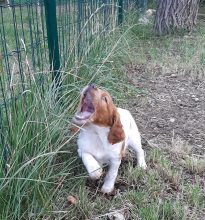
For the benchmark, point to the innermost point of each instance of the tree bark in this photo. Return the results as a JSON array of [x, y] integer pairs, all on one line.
[[175, 14]]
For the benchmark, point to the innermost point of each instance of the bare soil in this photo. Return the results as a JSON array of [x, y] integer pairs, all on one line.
[[172, 106]]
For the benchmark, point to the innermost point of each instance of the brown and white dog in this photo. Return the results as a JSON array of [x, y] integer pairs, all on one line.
[[107, 132]]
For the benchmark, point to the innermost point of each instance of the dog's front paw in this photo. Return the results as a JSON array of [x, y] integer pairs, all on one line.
[[95, 175], [142, 164], [107, 189]]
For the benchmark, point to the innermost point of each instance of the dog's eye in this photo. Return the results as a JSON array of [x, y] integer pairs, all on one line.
[[83, 95], [104, 98]]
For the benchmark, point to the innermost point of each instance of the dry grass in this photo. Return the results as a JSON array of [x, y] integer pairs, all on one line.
[[168, 105], [169, 113]]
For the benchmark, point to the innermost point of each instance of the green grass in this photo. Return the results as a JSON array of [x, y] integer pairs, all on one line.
[[24, 52], [43, 168], [41, 164], [177, 52]]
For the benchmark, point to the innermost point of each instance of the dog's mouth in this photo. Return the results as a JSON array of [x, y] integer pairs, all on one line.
[[86, 111]]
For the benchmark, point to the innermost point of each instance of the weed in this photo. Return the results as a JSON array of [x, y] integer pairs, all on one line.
[[42, 164]]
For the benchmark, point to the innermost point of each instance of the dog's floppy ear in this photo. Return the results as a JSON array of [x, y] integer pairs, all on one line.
[[116, 133]]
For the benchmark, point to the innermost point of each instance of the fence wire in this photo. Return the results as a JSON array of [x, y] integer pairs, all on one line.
[[24, 50]]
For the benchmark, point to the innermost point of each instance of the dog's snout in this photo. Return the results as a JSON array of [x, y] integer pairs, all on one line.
[[92, 86], [88, 89]]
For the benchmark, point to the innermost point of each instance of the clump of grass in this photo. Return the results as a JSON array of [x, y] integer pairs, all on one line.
[[180, 147], [165, 168], [43, 169], [42, 164], [194, 195], [193, 164]]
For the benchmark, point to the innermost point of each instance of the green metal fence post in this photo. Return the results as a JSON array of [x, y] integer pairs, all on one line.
[[120, 12], [52, 34]]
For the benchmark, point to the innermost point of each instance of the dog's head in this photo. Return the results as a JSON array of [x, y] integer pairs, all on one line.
[[96, 106]]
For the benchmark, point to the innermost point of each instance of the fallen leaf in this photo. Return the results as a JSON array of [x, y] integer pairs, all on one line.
[[72, 200]]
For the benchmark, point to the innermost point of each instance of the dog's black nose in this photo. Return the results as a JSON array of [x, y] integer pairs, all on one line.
[[93, 86]]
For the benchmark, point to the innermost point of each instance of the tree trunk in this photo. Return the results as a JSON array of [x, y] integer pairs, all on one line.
[[175, 14]]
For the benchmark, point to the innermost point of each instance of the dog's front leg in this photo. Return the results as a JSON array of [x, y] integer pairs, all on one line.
[[110, 178], [93, 167]]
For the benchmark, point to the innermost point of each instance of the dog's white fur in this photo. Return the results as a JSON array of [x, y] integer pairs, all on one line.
[[95, 149]]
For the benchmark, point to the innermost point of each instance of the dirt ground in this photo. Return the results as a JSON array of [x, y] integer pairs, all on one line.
[[172, 108], [170, 114]]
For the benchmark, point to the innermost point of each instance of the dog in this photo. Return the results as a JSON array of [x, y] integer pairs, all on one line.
[[106, 132]]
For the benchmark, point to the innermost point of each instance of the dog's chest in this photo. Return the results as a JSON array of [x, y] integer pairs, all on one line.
[[94, 141]]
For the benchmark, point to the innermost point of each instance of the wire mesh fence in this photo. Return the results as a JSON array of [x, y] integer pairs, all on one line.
[[29, 51]]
